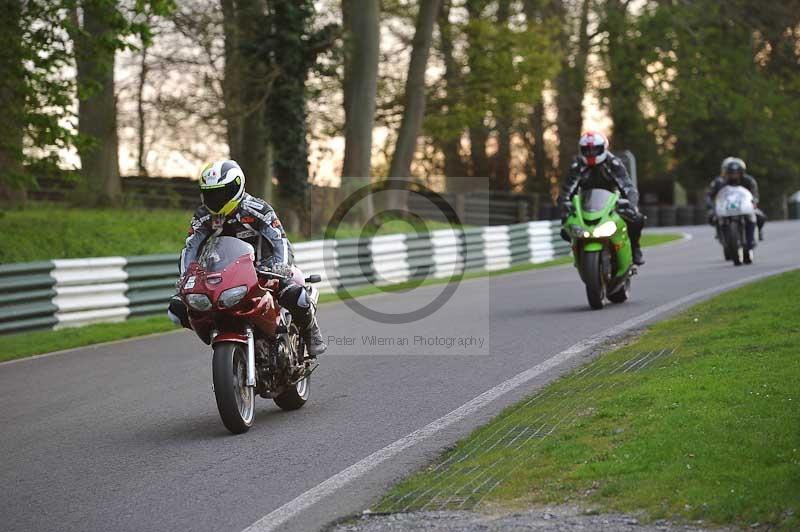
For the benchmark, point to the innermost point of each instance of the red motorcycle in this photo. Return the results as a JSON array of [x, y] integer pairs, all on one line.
[[257, 349]]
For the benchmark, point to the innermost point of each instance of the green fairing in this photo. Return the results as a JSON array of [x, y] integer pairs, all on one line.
[[621, 240], [580, 221]]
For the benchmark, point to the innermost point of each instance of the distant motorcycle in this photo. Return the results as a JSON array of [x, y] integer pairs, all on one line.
[[601, 246], [257, 349], [733, 208]]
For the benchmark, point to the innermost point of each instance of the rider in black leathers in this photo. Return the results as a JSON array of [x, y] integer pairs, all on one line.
[[253, 220], [734, 172], [596, 167]]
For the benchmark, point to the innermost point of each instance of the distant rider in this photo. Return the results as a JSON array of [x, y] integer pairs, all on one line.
[[733, 171], [228, 210], [597, 167]]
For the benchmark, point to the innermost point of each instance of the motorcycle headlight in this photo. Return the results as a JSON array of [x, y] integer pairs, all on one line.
[[579, 232], [232, 296], [199, 302], [605, 229]]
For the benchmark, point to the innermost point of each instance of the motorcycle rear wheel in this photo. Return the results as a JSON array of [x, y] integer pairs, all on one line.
[[295, 396], [235, 400], [593, 277]]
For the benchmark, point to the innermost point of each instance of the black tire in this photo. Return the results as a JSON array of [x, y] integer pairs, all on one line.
[[235, 400], [621, 295], [296, 396], [731, 236], [593, 278]]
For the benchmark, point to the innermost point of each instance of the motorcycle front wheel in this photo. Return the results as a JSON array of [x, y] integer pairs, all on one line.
[[730, 234], [593, 277], [235, 400]]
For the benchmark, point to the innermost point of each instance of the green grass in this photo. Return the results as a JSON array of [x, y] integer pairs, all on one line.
[[44, 232], [392, 226], [710, 432], [38, 342], [56, 232], [651, 239]]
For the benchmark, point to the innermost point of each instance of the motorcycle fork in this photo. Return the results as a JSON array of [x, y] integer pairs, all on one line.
[[251, 357]]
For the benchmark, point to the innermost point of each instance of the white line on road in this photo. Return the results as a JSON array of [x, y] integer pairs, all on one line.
[[276, 518]]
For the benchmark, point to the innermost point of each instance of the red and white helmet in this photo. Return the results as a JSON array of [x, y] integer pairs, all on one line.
[[593, 147]]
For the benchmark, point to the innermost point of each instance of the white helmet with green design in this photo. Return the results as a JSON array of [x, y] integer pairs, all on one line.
[[222, 186]]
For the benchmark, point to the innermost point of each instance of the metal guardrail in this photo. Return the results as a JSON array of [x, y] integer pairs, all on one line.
[[75, 292]]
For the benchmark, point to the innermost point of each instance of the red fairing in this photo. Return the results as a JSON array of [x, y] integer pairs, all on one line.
[[258, 308], [230, 337]]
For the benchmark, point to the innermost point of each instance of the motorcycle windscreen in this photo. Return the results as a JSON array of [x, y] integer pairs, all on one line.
[[734, 201], [595, 199], [220, 251]]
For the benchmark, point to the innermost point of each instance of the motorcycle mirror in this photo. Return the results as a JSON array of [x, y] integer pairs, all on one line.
[[313, 279]]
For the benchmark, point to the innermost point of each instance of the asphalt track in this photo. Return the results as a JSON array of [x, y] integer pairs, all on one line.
[[126, 436]]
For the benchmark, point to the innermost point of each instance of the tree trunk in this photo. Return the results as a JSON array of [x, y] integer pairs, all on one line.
[[97, 105], [571, 85], [414, 98], [478, 132], [231, 84], [255, 85], [454, 169], [539, 181], [287, 105], [361, 24], [478, 136], [502, 166], [245, 88], [12, 100], [536, 180], [141, 156]]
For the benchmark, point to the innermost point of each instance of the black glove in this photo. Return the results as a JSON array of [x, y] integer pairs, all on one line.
[[566, 209], [179, 310]]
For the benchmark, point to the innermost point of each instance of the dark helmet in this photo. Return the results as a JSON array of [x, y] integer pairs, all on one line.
[[733, 170]]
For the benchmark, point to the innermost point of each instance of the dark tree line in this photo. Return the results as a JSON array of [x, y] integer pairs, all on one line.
[[458, 88]]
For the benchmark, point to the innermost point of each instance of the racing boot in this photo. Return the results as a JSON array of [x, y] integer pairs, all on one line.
[[309, 330], [638, 258]]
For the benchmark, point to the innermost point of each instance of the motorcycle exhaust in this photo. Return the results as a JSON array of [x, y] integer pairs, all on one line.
[[251, 358]]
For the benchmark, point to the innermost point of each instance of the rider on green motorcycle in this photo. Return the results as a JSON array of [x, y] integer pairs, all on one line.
[[596, 167]]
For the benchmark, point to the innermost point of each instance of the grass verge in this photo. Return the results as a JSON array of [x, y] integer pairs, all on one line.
[[122, 232], [38, 342], [708, 432]]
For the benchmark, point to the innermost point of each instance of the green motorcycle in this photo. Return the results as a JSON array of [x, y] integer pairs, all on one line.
[[600, 245]]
